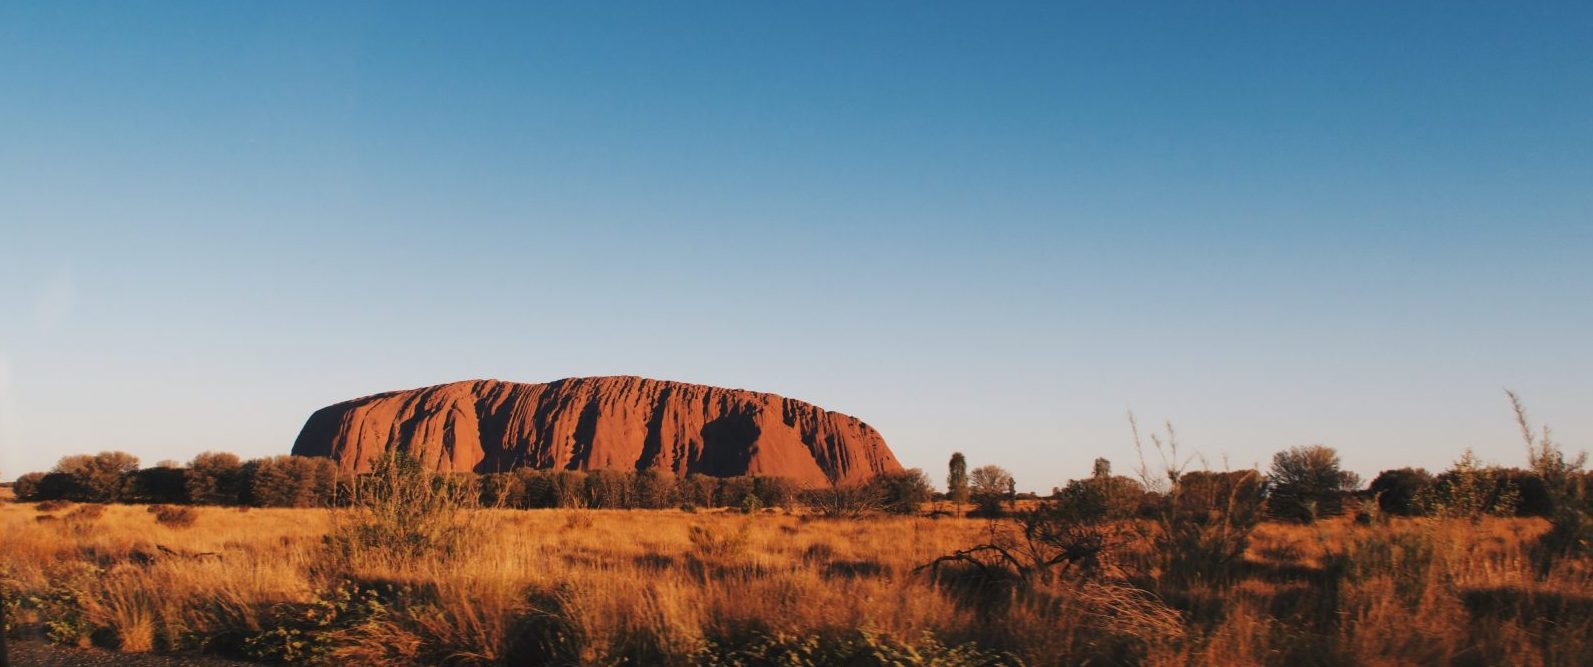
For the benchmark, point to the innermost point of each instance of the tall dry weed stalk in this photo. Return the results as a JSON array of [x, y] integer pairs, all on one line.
[[1200, 522], [1568, 486]]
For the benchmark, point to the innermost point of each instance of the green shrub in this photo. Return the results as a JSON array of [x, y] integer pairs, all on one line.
[[26, 487], [861, 648], [401, 514], [751, 504], [304, 633], [903, 492], [1470, 490], [61, 607]]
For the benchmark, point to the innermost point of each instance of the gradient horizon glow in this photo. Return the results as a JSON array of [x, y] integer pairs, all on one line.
[[989, 227]]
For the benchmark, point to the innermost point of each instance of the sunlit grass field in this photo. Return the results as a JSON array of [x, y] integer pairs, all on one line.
[[675, 587]]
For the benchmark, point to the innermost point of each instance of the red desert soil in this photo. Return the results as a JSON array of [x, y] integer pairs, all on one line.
[[40, 654], [620, 423]]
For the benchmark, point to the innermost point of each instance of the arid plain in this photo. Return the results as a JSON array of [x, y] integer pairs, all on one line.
[[771, 587]]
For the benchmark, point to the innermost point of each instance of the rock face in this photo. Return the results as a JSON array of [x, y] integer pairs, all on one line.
[[619, 423]]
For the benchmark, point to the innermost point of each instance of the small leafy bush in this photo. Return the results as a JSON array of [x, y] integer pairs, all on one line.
[[176, 517], [86, 513], [305, 633], [1471, 490], [402, 514], [53, 505], [82, 518], [711, 543], [864, 648], [61, 607]]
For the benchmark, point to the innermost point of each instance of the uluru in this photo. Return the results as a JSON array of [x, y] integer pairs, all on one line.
[[591, 423]]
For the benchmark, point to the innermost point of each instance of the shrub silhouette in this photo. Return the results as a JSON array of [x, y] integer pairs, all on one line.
[[1200, 525], [1568, 491], [1306, 482], [1471, 490], [842, 500], [1401, 491], [1039, 545], [990, 485], [161, 484]]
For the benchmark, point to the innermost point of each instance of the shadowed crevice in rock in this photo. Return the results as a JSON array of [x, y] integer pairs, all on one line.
[[736, 435], [653, 443], [585, 433]]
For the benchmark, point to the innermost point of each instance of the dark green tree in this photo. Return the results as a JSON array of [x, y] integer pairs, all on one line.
[[656, 489], [28, 487], [215, 478], [957, 481], [291, 481], [1402, 491], [164, 484], [99, 478], [774, 491], [1306, 482], [990, 485], [903, 492], [609, 489], [700, 490]]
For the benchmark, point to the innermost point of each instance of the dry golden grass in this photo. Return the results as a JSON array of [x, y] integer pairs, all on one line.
[[603, 587]]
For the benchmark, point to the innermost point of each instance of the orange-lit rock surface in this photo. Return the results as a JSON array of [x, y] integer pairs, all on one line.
[[618, 423]]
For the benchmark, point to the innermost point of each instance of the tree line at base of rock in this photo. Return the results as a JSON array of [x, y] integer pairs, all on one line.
[[216, 478], [1303, 484]]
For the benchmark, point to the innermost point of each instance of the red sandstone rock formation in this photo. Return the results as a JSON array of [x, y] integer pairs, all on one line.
[[620, 423]]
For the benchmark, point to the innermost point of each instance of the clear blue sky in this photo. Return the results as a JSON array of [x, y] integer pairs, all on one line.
[[978, 226]]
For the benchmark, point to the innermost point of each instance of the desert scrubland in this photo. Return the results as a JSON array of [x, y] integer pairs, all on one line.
[[777, 587]]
